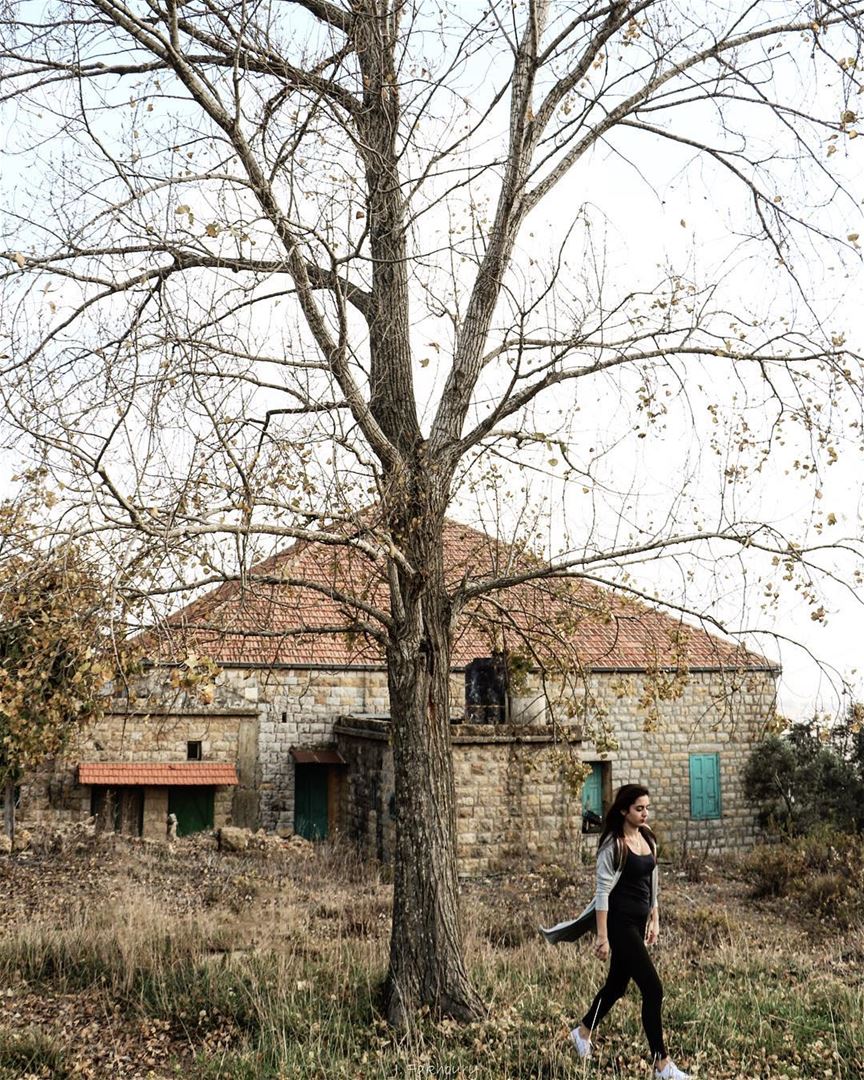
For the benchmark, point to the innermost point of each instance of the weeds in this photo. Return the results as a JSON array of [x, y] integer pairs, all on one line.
[[289, 987], [31, 1053], [823, 872]]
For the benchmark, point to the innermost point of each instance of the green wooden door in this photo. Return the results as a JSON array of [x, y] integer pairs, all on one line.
[[310, 801], [592, 791], [193, 807]]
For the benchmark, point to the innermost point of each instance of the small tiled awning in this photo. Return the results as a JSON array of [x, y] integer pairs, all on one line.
[[317, 757], [158, 774]]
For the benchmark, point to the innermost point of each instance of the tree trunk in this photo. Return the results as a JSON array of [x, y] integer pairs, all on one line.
[[9, 808], [427, 964]]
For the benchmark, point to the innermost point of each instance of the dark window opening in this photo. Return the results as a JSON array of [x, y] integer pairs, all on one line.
[[486, 696], [194, 751]]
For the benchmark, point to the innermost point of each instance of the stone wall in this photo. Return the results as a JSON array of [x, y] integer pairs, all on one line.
[[716, 712], [156, 812], [135, 734], [368, 811], [512, 801], [50, 794], [298, 708], [255, 718]]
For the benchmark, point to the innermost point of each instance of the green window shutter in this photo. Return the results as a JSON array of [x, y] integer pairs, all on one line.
[[704, 786], [592, 790]]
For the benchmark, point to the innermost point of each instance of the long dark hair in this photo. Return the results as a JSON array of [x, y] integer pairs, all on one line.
[[613, 822]]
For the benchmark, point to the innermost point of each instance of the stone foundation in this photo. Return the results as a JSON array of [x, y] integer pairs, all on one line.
[[512, 800]]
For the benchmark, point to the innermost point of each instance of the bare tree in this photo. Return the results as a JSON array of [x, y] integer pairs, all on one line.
[[271, 262]]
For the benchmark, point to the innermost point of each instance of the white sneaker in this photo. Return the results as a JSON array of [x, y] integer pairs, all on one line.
[[671, 1072], [583, 1046]]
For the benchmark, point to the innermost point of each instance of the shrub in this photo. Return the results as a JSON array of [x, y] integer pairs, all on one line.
[[698, 929], [822, 872], [801, 783], [772, 869]]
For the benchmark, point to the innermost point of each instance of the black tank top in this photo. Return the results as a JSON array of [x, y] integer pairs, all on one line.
[[632, 894]]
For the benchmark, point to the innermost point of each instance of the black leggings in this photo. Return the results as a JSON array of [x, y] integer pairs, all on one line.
[[630, 960]]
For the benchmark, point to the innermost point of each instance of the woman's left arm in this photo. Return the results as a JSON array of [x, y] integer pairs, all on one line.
[[652, 931]]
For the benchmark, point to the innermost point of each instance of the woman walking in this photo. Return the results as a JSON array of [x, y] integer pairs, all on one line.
[[627, 920]]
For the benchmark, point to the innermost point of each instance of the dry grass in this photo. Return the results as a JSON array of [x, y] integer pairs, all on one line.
[[204, 965]]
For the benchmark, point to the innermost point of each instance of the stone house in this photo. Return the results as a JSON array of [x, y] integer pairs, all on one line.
[[260, 710]]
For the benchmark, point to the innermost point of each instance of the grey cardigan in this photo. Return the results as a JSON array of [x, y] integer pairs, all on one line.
[[608, 876]]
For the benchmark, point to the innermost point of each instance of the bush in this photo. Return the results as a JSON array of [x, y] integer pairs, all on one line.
[[802, 783], [698, 929], [30, 1052], [771, 870], [822, 873]]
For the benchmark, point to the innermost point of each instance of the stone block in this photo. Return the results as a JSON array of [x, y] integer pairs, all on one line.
[[233, 839], [22, 840]]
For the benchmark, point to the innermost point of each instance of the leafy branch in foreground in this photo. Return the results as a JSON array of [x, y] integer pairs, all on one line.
[[58, 653]]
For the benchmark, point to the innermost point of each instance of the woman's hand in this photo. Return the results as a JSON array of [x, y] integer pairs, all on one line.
[[652, 933], [601, 949]]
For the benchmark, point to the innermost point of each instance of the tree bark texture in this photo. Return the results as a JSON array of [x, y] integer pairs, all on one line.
[[427, 965], [391, 383]]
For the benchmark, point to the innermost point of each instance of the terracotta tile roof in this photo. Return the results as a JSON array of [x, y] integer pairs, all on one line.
[[158, 774], [277, 620]]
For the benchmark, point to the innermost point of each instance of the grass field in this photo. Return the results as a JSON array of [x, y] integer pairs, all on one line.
[[125, 960]]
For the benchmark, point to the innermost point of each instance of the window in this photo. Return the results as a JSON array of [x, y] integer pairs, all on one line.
[[592, 797], [704, 786], [193, 751], [486, 699]]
